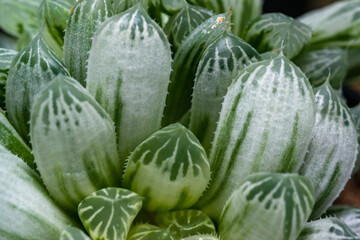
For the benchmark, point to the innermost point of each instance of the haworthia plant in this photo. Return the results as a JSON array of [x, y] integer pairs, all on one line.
[[335, 25], [82, 24], [185, 64], [27, 211], [327, 228], [31, 69], [171, 159], [54, 14], [353, 71], [184, 22], [320, 64], [11, 141], [269, 206], [83, 156], [355, 112], [219, 65], [73, 233], [350, 215], [150, 232], [128, 74], [265, 125], [184, 223], [332, 151], [108, 213], [6, 57], [243, 11], [278, 31]]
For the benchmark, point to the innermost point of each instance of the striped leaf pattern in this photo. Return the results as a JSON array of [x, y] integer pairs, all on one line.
[[335, 25], [186, 61], [184, 223], [327, 228], [320, 64], [332, 151], [201, 237], [73, 233], [276, 30], [265, 125], [350, 215], [171, 159], [219, 65], [184, 22], [83, 156], [11, 141], [243, 11], [6, 56], [55, 13], [150, 232], [31, 69], [27, 211], [81, 26], [269, 206], [128, 74], [108, 213]]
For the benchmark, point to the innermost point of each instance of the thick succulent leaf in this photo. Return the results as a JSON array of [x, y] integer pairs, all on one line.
[[18, 15], [83, 156], [320, 64], [332, 151], [6, 57], [54, 14], [11, 141], [184, 22], [83, 22], [243, 11], [184, 223], [186, 60], [335, 25], [108, 213], [350, 215], [353, 71], [277, 31], [265, 124], [219, 65], [31, 69], [355, 112], [150, 232], [201, 237], [73, 233], [128, 74], [327, 228], [164, 168], [269, 206], [27, 211]]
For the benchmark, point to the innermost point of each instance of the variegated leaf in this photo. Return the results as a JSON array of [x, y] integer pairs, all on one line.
[[83, 156], [31, 69], [11, 141], [318, 65], [150, 232], [350, 215], [332, 151], [6, 57], [27, 211], [219, 65], [184, 22], [128, 74], [265, 124], [335, 25], [353, 71], [243, 11], [327, 228], [83, 22], [186, 60], [201, 237], [108, 213], [278, 31], [184, 223], [355, 112], [269, 206], [164, 168], [73, 233]]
